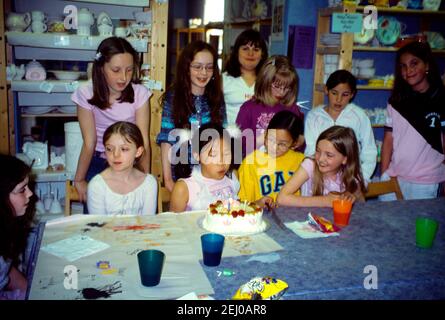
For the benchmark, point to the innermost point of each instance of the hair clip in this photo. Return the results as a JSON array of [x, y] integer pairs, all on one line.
[[98, 56]]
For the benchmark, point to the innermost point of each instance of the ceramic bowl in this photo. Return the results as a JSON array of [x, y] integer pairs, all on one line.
[[67, 109], [67, 75], [366, 63], [366, 73]]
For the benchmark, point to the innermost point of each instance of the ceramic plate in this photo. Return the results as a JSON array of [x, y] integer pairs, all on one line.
[[389, 30]]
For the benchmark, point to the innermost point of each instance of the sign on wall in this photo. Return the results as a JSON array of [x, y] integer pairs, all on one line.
[[301, 46], [277, 33]]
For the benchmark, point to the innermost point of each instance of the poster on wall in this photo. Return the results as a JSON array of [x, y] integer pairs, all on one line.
[[301, 46], [278, 20]]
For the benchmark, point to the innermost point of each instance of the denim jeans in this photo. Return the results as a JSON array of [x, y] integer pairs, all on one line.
[[411, 190]]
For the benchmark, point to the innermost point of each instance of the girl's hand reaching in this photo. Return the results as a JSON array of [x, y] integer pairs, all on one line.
[[266, 199], [348, 196], [339, 196]]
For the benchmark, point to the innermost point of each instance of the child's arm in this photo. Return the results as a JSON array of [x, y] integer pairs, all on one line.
[[143, 122], [166, 166], [17, 280], [266, 199], [287, 196], [387, 149], [368, 152], [151, 199], [179, 197], [96, 197], [88, 129]]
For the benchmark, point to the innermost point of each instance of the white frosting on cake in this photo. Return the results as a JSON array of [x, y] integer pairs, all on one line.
[[225, 223]]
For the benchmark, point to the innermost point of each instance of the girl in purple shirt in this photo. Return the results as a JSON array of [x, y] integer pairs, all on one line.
[[276, 89]]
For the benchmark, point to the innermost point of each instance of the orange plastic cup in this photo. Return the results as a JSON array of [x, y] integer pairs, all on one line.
[[342, 212]]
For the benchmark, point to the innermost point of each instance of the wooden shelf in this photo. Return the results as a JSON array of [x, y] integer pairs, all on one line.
[[320, 87], [397, 10], [49, 115], [360, 87], [265, 21], [328, 50], [389, 49], [129, 3], [66, 41], [57, 85]]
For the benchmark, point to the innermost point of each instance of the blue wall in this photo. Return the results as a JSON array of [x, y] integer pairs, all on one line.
[[302, 13]]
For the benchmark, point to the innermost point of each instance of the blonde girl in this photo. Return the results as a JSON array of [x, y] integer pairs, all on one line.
[[333, 173], [276, 89]]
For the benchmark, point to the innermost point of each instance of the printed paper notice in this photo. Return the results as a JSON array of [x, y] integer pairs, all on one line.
[[76, 247]]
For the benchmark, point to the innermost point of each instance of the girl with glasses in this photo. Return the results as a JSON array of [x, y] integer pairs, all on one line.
[[195, 98], [276, 89], [263, 173]]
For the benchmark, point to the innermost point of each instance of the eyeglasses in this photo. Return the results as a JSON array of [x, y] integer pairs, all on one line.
[[200, 67], [280, 145], [278, 87]]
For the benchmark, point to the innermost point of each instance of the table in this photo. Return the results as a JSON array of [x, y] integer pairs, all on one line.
[[380, 234]]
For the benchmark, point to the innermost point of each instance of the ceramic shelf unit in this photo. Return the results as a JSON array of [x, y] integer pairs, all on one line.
[[129, 3], [72, 47], [66, 41], [346, 48], [58, 86]]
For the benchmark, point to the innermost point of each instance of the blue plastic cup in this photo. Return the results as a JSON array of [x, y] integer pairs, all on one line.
[[212, 246], [150, 266]]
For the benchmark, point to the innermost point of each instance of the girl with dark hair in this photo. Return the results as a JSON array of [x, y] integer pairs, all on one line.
[[123, 188], [334, 173], [113, 95], [276, 89], [209, 181], [413, 144], [244, 63], [340, 90], [195, 98], [16, 214], [263, 172]]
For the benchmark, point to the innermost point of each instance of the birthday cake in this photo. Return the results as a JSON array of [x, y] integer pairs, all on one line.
[[234, 217]]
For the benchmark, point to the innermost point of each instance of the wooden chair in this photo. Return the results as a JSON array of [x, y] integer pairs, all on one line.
[[163, 196], [70, 195], [383, 187]]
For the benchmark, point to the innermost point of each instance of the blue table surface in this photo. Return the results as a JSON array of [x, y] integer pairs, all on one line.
[[381, 234]]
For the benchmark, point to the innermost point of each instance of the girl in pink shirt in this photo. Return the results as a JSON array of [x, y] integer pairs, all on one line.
[[334, 173], [413, 144], [113, 96], [209, 181]]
